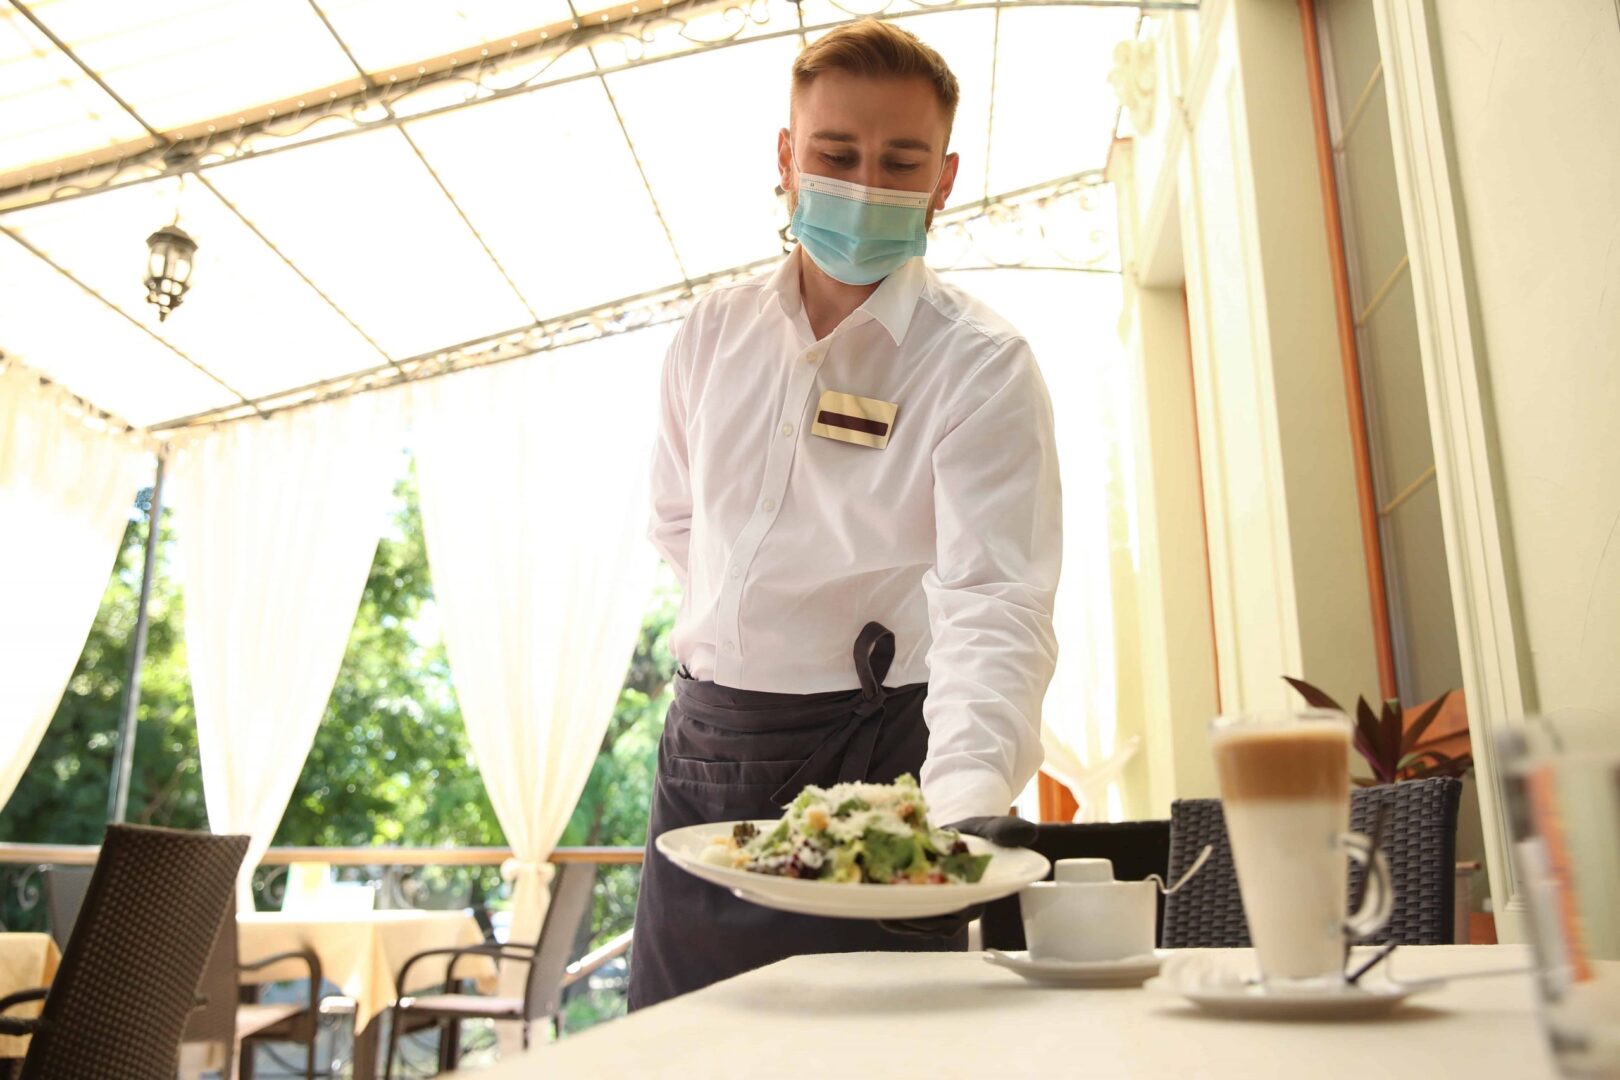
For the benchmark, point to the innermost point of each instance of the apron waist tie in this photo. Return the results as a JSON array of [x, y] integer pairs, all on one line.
[[851, 745]]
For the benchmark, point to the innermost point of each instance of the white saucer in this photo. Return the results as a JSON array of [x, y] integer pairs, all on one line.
[[1098, 974], [1240, 999]]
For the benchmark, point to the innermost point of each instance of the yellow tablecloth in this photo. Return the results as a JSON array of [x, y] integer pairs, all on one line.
[[26, 961], [362, 952]]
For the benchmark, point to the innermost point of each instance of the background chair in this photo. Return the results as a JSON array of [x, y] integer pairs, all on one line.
[[548, 973], [1207, 912], [1420, 842], [239, 1026], [130, 971], [1136, 848], [64, 896]]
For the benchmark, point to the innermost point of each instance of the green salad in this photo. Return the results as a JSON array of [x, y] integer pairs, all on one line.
[[853, 833]]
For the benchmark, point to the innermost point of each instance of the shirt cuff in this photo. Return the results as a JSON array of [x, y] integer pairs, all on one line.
[[957, 796]]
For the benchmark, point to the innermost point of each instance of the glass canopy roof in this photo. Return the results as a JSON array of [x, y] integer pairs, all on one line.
[[388, 189]]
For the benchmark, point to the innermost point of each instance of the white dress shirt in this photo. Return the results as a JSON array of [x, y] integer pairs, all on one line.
[[787, 543]]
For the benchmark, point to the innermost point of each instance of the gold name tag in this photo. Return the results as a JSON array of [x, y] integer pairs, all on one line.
[[861, 420]]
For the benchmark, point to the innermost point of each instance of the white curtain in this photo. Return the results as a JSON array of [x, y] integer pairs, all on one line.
[[67, 484], [277, 521], [1091, 718], [534, 504]]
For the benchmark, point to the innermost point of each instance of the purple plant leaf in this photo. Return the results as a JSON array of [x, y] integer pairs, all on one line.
[[1367, 723], [1389, 734], [1415, 731], [1315, 698]]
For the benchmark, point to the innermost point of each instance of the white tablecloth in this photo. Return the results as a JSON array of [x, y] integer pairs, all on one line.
[[362, 952], [954, 1016]]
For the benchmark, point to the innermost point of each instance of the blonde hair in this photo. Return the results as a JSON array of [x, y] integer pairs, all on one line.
[[876, 49]]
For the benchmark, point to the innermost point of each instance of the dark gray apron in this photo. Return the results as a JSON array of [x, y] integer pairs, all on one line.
[[730, 754]]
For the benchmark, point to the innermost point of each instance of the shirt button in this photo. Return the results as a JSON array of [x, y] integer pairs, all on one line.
[[735, 571], [729, 646], [787, 429], [812, 358], [770, 504]]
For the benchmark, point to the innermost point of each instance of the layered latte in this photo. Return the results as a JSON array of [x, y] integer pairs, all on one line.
[[1285, 789]]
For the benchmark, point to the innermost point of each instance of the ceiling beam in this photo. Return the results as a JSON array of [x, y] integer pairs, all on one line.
[[640, 311], [219, 143], [362, 90], [433, 174]]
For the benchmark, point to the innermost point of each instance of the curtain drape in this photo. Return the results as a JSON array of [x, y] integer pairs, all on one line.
[[277, 523], [1091, 717], [533, 477], [67, 483]]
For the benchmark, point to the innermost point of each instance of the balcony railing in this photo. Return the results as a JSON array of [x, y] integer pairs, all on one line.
[[85, 855], [405, 877]]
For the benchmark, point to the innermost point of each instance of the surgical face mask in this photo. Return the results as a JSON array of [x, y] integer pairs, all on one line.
[[859, 234]]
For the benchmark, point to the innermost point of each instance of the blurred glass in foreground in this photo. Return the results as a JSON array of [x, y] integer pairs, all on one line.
[[1563, 783]]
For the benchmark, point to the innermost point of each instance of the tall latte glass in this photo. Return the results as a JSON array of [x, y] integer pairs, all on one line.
[[1285, 791]]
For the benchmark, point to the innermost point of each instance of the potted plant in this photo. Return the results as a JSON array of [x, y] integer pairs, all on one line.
[[1393, 746], [1393, 743]]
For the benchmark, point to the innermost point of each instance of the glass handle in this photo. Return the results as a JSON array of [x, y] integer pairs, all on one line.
[[1378, 896]]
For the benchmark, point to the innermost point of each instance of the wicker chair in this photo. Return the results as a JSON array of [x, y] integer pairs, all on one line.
[[64, 896], [1420, 842], [1136, 848], [1207, 911], [547, 960], [238, 1026], [129, 976]]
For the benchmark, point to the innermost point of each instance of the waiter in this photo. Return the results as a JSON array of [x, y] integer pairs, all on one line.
[[856, 484]]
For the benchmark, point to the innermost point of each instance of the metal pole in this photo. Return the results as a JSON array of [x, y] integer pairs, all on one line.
[[118, 804]]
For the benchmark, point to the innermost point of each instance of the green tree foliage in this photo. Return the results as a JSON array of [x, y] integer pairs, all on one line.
[[391, 763], [62, 798]]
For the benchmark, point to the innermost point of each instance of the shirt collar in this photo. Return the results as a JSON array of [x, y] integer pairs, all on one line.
[[893, 304]]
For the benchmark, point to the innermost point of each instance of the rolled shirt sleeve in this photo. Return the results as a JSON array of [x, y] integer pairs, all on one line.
[[670, 524], [998, 520]]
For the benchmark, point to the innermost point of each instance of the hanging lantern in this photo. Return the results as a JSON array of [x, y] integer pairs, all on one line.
[[169, 260]]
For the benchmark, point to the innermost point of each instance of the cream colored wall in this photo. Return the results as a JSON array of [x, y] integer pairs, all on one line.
[[1233, 208], [1534, 97], [1333, 606], [1287, 563], [1176, 654]]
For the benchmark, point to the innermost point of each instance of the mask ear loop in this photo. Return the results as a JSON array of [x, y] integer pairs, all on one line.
[[789, 240]]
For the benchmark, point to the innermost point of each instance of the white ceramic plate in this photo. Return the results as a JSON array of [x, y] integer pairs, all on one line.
[[1240, 1000], [1098, 975], [1009, 870]]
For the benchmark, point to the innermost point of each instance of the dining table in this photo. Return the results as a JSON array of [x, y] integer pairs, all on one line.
[[952, 1015], [362, 952], [26, 961]]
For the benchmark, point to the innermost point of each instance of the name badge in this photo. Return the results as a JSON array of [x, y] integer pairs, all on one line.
[[860, 420]]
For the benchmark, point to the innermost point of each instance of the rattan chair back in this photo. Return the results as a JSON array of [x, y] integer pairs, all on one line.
[[1420, 842], [129, 975]]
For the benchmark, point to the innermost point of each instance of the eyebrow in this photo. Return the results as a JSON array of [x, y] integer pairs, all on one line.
[[894, 144]]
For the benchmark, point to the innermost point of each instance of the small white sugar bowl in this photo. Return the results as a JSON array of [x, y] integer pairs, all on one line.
[[1085, 916]]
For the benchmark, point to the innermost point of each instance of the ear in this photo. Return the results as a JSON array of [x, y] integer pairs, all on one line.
[[784, 159], [947, 181]]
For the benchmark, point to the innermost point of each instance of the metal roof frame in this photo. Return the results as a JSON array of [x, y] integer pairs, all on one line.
[[387, 102]]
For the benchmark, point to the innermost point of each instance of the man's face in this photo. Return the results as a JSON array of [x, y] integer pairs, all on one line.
[[884, 133]]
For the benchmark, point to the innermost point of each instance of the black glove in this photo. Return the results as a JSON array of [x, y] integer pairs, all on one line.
[[1004, 831]]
